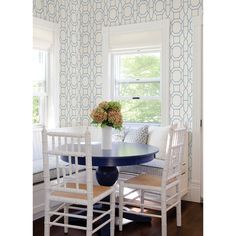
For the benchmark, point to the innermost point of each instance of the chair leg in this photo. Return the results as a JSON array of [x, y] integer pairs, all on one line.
[[112, 215], [46, 229], [142, 199], [89, 220], [163, 216], [46, 218], [46, 226], [66, 218], [178, 214], [121, 192], [178, 207], [163, 224]]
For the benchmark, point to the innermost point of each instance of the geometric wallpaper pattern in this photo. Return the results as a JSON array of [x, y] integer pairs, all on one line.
[[81, 24]]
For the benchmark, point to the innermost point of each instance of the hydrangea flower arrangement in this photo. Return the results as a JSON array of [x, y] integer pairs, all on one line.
[[107, 114]]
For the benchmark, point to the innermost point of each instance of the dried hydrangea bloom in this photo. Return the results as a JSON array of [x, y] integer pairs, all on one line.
[[104, 105], [115, 118], [107, 114], [98, 115]]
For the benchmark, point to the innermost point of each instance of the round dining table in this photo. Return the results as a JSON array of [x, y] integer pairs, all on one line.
[[121, 154], [107, 173]]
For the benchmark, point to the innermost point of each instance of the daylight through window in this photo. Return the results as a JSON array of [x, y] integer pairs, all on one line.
[[136, 84], [40, 75]]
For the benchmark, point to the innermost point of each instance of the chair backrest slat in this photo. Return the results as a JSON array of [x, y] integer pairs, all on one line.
[[70, 165], [58, 170], [76, 173], [88, 155]]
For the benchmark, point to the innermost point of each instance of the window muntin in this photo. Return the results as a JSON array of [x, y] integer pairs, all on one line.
[[136, 83], [40, 77]]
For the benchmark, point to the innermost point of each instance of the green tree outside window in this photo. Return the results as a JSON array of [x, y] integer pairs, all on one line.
[[139, 67]]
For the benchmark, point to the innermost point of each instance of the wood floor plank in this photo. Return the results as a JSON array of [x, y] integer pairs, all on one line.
[[192, 225]]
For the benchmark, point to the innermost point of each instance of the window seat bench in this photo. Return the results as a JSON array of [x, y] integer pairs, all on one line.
[[38, 170]]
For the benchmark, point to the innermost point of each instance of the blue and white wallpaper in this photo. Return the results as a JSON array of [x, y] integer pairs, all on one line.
[[81, 24]]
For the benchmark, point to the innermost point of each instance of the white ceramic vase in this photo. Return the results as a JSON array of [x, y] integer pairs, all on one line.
[[107, 137]]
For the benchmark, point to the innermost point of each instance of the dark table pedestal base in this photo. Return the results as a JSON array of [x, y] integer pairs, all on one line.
[[107, 175]]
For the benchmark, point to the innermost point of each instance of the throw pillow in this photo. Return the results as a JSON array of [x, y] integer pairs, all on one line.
[[139, 135]]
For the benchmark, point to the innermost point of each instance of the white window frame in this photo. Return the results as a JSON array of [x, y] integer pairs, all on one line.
[[114, 94], [51, 112], [163, 27], [196, 185], [43, 96]]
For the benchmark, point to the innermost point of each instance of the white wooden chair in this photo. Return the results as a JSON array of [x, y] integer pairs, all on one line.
[[166, 188], [68, 190]]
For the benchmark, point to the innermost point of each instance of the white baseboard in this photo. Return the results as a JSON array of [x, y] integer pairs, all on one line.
[[38, 213], [194, 193], [38, 201]]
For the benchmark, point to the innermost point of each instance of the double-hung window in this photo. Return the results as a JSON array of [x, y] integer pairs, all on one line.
[[136, 70], [45, 73], [136, 84], [40, 85], [45, 85]]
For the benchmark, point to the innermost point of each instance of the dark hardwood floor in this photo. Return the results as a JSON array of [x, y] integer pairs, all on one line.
[[192, 225]]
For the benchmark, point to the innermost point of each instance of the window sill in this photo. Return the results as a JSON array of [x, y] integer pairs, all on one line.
[[37, 127]]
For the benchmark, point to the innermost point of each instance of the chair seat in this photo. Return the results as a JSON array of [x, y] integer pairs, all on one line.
[[145, 179], [97, 191]]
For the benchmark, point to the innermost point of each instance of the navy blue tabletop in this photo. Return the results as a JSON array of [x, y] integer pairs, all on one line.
[[121, 154]]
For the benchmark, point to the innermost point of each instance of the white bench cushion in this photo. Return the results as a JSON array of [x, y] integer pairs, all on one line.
[[153, 167], [157, 136]]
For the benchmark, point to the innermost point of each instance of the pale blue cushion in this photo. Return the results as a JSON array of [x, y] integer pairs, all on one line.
[[153, 167]]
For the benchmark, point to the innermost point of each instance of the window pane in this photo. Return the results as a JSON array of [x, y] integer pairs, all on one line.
[[140, 65], [40, 74], [138, 75], [36, 102], [141, 89], [135, 111], [39, 70]]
